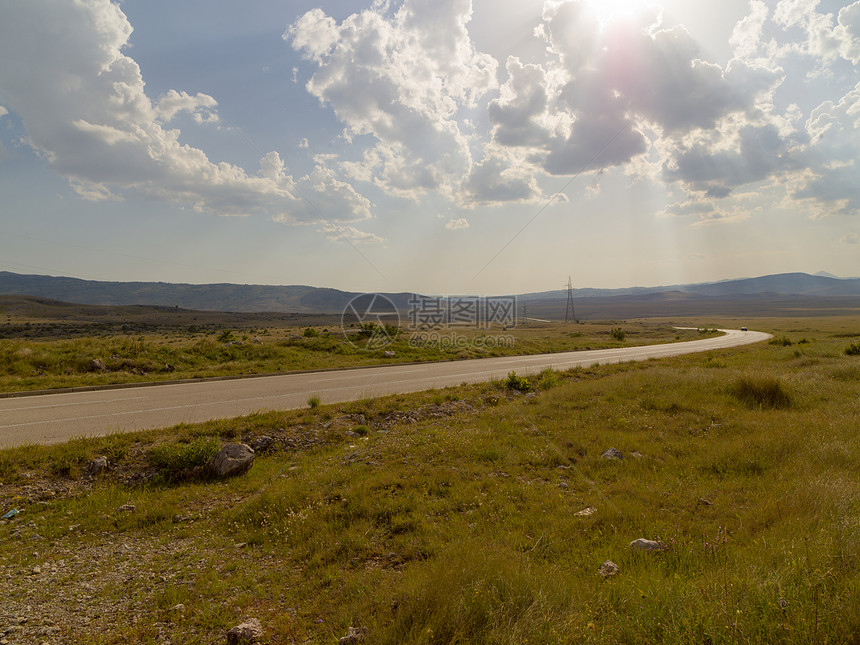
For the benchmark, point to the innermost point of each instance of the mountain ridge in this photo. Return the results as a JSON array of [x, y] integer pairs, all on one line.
[[309, 299]]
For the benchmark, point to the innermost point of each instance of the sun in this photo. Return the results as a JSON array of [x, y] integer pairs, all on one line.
[[608, 10]]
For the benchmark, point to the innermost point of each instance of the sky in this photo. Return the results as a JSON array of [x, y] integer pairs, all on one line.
[[440, 146]]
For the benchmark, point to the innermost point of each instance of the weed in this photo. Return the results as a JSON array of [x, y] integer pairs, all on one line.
[[314, 401], [174, 460], [310, 332], [618, 334], [853, 349], [761, 392], [226, 336], [520, 383], [781, 341], [548, 379]]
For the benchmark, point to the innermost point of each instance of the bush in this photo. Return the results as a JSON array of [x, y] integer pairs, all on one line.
[[520, 383], [853, 349], [782, 341], [761, 392], [310, 332], [171, 459], [547, 379], [314, 401], [226, 336], [618, 334]]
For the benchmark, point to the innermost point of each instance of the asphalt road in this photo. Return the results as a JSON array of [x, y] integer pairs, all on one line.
[[53, 418]]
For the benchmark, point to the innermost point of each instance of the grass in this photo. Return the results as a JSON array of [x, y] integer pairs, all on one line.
[[451, 516], [48, 363]]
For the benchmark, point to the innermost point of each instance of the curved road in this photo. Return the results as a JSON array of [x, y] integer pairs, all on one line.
[[53, 418]]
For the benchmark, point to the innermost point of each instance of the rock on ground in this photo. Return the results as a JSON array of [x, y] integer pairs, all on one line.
[[232, 459], [612, 453], [248, 632], [354, 635], [646, 545], [609, 569]]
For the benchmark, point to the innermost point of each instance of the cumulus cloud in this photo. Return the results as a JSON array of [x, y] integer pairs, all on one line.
[[500, 178], [83, 104], [457, 224], [201, 106], [626, 92], [831, 162], [3, 111], [747, 35], [827, 36], [401, 78], [615, 89]]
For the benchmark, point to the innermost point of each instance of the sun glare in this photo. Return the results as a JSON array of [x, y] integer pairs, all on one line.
[[610, 9]]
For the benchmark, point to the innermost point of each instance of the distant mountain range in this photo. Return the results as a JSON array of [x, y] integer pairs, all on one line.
[[786, 284], [306, 299]]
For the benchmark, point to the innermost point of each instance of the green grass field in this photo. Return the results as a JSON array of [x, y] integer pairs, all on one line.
[[46, 363], [455, 516]]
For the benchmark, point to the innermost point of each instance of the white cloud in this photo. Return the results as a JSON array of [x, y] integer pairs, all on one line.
[[457, 224], [850, 238], [827, 37], [831, 161], [401, 79], [201, 106], [349, 234], [3, 111], [82, 101], [747, 35]]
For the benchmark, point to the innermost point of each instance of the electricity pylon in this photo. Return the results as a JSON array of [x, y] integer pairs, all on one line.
[[569, 313]]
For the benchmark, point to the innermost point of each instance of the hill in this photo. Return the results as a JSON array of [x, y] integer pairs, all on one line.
[[782, 294], [211, 297]]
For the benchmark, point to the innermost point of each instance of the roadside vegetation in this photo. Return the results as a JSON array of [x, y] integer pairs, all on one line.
[[477, 514], [46, 363]]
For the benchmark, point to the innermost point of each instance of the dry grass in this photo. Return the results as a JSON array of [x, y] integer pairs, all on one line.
[[452, 516]]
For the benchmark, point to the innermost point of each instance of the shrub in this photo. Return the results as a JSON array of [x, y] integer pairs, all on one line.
[[314, 401], [520, 383], [171, 459], [853, 349], [618, 334], [310, 332], [226, 336], [547, 379], [761, 392], [782, 341]]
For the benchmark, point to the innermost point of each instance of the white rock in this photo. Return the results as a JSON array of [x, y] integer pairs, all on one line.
[[646, 545]]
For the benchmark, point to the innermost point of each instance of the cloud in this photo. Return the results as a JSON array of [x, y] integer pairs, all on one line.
[[747, 35], [615, 89], [349, 234], [201, 106], [3, 111], [457, 224], [692, 207], [500, 179], [827, 37], [402, 79], [83, 104], [831, 160], [850, 238]]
